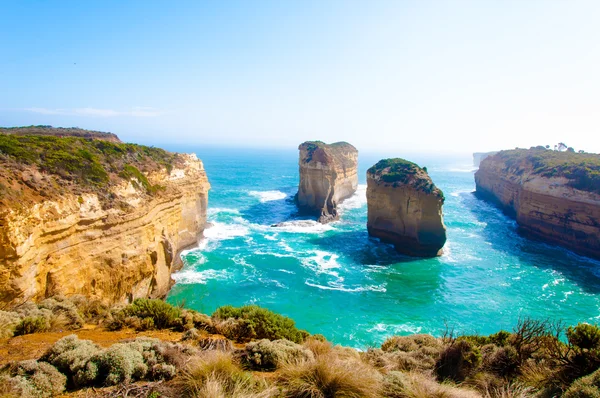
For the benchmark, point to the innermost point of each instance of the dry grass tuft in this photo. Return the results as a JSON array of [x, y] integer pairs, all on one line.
[[418, 385], [329, 376]]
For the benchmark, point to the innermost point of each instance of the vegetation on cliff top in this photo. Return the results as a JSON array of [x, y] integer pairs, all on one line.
[[399, 171], [337, 150], [89, 163], [582, 169], [59, 132], [538, 358]]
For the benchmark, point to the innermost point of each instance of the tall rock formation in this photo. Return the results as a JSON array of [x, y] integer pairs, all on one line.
[[94, 217], [328, 175], [554, 196], [405, 208]]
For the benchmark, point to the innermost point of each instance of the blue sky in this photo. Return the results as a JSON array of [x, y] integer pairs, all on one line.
[[439, 76]]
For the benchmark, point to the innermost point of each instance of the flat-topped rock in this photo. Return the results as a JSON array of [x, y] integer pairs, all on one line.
[[405, 208], [328, 175]]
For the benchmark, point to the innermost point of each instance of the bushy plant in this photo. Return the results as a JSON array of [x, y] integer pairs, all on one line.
[[329, 377], [457, 361], [33, 379], [217, 369], [63, 307], [120, 363], [32, 324], [418, 385], [8, 323], [268, 355], [586, 387], [163, 314], [70, 355], [501, 361], [253, 322]]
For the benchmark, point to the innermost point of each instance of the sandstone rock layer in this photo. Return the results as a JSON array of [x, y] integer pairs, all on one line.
[[114, 245], [553, 196], [328, 175], [405, 208]]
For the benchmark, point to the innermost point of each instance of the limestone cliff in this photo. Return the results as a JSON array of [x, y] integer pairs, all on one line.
[[328, 175], [405, 208], [94, 217], [479, 156], [554, 196]]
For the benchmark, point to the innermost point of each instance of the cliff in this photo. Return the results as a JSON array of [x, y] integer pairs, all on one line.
[[405, 208], [554, 196], [328, 175], [479, 156], [94, 217]]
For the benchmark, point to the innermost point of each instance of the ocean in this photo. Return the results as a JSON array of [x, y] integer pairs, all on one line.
[[337, 281]]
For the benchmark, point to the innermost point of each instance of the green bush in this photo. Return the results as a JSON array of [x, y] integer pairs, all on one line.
[[584, 336], [33, 379], [268, 355], [501, 361], [32, 324], [61, 306], [253, 322], [458, 361]]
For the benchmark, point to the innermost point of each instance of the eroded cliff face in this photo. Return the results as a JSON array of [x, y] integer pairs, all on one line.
[[405, 208], [328, 175], [546, 207], [114, 245]]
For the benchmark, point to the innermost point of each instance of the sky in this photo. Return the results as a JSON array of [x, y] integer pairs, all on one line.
[[424, 76]]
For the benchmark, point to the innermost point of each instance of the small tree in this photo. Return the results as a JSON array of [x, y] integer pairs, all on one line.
[[562, 146]]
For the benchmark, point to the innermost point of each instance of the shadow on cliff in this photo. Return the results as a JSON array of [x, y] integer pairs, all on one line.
[[362, 248], [502, 233]]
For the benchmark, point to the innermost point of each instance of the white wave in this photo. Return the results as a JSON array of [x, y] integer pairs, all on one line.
[[189, 277], [341, 288], [356, 201], [272, 282], [458, 193], [302, 226], [395, 329], [286, 271], [223, 231], [271, 237], [322, 262], [216, 210], [268, 196], [274, 254]]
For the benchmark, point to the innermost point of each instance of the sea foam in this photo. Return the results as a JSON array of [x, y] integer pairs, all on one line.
[[268, 196]]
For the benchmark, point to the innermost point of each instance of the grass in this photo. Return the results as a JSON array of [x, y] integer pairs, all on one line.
[[581, 169]]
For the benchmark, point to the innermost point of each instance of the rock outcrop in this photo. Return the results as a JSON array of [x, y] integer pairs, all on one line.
[[405, 208], [554, 196], [328, 175], [111, 228], [479, 156]]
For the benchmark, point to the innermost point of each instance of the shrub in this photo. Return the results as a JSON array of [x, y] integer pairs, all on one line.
[[253, 322], [410, 343], [34, 379], [418, 385], [329, 377], [501, 361], [163, 314], [268, 355], [8, 323], [65, 308], [32, 324], [70, 356], [193, 319], [399, 360], [318, 346], [584, 336], [586, 387], [457, 361], [217, 371], [119, 363]]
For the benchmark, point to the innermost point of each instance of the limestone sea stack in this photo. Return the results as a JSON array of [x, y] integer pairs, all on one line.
[[81, 214], [328, 175], [554, 196], [405, 208]]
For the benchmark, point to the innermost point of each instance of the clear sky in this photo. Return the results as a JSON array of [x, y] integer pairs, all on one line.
[[418, 75]]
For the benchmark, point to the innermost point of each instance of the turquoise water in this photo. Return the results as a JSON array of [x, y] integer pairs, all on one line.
[[356, 291]]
